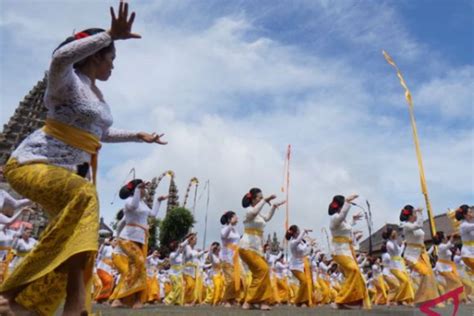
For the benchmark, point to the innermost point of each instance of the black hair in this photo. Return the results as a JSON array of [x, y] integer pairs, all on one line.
[[226, 217], [248, 197], [383, 248], [406, 212], [83, 34], [129, 189], [173, 245], [290, 233], [387, 233], [336, 204], [438, 238], [461, 212], [119, 215]]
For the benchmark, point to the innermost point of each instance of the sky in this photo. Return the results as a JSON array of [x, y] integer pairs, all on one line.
[[232, 83]]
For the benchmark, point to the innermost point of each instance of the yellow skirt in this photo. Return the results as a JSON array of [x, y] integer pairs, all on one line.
[[97, 285], [393, 285], [260, 289], [382, 294], [325, 290], [198, 290], [189, 289], [132, 269], [469, 262], [72, 206], [176, 295], [428, 287], [218, 281], [453, 281], [107, 285], [230, 292], [283, 290], [152, 289], [353, 290], [405, 292]]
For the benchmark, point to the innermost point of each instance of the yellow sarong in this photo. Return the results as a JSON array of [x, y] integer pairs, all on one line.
[[353, 289], [132, 269], [428, 287], [260, 289], [72, 205]]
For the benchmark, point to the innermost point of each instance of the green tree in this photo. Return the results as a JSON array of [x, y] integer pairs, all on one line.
[[153, 225], [175, 226]]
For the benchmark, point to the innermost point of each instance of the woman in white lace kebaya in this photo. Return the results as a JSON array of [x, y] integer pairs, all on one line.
[[260, 290], [49, 167]]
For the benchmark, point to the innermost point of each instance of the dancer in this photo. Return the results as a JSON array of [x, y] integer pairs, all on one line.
[[191, 267], [416, 255], [445, 266], [388, 277], [299, 265], [231, 265], [175, 296], [215, 273], [22, 246], [404, 293], [131, 251], [152, 282], [48, 165], [465, 215], [259, 291], [282, 289], [106, 270], [354, 289]]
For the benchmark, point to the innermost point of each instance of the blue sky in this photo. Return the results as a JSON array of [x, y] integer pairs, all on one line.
[[232, 83]]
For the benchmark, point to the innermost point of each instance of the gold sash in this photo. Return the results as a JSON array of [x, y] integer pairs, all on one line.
[[77, 138], [345, 240], [254, 232], [422, 247], [469, 243]]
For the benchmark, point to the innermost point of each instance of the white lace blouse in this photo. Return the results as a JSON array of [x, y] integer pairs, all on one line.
[[254, 220], [341, 228], [70, 99], [229, 236]]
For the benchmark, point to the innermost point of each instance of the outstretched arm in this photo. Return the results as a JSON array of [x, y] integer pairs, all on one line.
[[5, 220], [13, 203]]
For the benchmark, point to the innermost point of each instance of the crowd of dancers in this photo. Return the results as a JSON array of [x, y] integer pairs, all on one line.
[[241, 270], [55, 168]]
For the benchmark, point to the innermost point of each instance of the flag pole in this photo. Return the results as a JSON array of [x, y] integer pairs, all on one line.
[[409, 100]]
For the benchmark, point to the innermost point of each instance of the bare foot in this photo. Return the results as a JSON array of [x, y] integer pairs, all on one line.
[[265, 307], [137, 305], [304, 305], [227, 305], [246, 306], [116, 304], [5, 307]]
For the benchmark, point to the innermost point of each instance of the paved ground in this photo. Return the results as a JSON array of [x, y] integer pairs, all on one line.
[[465, 310]]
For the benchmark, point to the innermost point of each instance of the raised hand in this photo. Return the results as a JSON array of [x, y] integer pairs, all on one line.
[[163, 198], [121, 27], [151, 138], [271, 197], [276, 205], [351, 198]]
